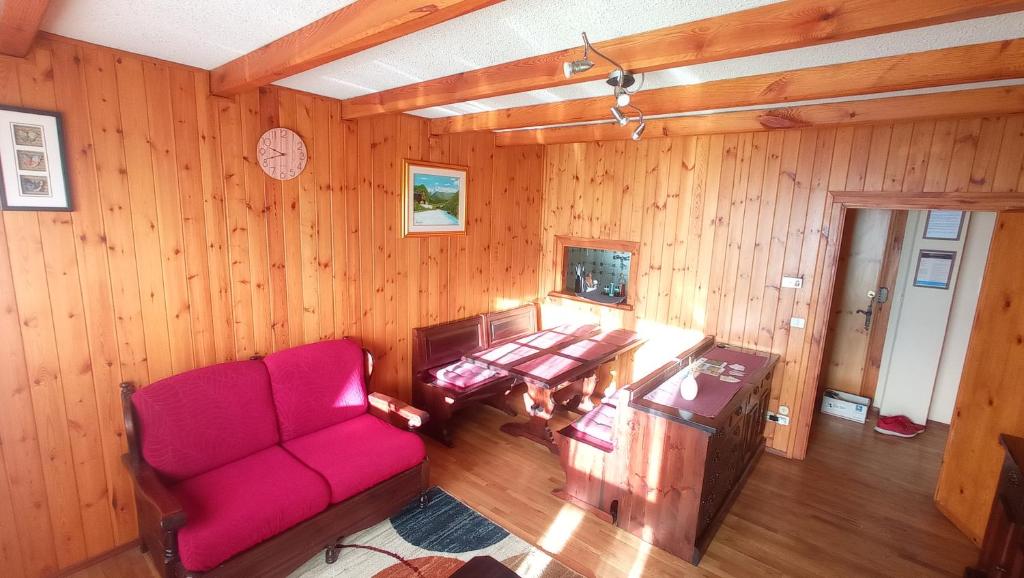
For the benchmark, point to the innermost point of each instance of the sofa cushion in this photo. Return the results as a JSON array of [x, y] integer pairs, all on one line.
[[238, 505], [195, 421], [317, 385], [465, 376], [358, 454]]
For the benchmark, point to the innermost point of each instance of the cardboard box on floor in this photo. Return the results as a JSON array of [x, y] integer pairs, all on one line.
[[845, 405]]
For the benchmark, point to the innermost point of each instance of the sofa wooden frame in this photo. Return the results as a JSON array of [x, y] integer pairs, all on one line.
[[161, 515]]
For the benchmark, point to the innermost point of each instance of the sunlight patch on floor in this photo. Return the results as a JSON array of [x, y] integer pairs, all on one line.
[[640, 561], [561, 530]]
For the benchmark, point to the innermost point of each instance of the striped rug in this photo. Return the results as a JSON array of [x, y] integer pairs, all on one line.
[[433, 542]]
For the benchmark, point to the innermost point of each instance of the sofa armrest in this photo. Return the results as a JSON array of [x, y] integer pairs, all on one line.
[[151, 490], [397, 412]]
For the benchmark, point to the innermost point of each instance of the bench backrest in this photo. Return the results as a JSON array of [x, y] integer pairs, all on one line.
[[440, 345], [511, 324]]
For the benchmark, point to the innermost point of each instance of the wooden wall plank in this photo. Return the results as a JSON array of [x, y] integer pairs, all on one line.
[[990, 396], [73, 361]]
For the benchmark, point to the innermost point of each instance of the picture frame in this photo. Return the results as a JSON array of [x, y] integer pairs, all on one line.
[[33, 174], [433, 198], [943, 225], [934, 269]]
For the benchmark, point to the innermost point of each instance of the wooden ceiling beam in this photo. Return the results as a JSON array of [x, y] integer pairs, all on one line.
[[354, 28], [19, 24], [982, 101], [791, 24], [958, 65]]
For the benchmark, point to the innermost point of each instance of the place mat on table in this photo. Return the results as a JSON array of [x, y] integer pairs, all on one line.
[[547, 367], [617, 337], [588, 349], [712, 394], [577, 329], [507, 354], [545, 339]]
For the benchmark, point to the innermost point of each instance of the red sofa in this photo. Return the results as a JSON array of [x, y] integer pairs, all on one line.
[[249, 468]]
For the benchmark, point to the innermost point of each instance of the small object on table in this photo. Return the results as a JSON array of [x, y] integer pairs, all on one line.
[[688, 388]]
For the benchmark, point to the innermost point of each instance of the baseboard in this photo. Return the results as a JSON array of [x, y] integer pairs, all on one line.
[[79, 566]]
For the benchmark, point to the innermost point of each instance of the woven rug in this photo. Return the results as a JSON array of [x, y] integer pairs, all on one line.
[[433, 542]]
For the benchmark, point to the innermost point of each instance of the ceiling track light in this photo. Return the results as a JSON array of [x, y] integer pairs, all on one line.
[[620, 118], [620, 79]]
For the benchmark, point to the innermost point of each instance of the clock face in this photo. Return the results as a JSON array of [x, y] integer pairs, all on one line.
[[282, 154]]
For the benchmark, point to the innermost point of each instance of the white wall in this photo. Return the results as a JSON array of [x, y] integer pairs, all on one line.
[[961, 317], [929, 329]]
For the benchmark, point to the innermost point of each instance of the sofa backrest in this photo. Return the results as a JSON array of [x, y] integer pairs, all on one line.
[[317, 385], [196, 421]]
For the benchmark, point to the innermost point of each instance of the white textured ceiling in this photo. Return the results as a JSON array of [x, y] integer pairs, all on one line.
[[208, 33], [202, 33]]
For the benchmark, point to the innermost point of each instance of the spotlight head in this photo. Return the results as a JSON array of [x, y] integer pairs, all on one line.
[[619, 117], [622, 98], [639, 131], [576, 67]]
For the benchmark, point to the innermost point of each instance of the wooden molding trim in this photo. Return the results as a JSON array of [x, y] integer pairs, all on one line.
[[117, 550], [958, 200], [982, 101], [947, 66], [354, 28], [786, 25], [19, 24]]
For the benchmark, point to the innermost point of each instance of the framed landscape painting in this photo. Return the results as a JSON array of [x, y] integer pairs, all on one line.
[[32, 174], [433, 199]]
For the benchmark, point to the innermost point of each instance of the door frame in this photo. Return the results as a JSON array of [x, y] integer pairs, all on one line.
[[827, 262]]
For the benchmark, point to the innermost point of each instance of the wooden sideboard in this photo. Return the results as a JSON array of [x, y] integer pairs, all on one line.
[[668, 475], [1002, 551]]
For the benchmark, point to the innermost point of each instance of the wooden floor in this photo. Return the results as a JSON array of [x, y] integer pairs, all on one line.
[[859, 505]]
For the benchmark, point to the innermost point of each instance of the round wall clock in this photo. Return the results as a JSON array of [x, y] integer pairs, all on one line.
[[282, 153]]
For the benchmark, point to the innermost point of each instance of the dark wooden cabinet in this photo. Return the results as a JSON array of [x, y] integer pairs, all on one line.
[[1002, 551], [668, 475]]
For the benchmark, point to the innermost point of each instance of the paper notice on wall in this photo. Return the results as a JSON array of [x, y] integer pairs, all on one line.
[[934, 269], [944, 225]]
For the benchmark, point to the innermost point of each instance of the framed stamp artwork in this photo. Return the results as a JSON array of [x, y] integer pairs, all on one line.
[[433, 199], [32, 172]]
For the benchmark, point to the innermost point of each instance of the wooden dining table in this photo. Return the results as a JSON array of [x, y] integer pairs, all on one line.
[[559, 366]]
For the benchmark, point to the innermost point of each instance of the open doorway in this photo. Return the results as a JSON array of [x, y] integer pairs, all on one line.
[[906, 289]]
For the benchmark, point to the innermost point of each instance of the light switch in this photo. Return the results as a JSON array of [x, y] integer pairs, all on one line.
[[798, 322], [792, 282]]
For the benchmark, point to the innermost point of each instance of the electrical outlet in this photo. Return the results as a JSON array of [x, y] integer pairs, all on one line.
[[779, 419], [798, 322], [783, 410], [792, 282]]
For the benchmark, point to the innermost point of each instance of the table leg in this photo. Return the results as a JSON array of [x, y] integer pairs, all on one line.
[[581, 401], [539, 406]]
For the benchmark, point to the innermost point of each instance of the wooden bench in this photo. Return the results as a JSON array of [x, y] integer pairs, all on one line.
[[443, 384]]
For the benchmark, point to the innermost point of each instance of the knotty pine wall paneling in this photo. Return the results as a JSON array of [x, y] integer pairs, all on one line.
[[181, 253], [990, 400], [721, 218]]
